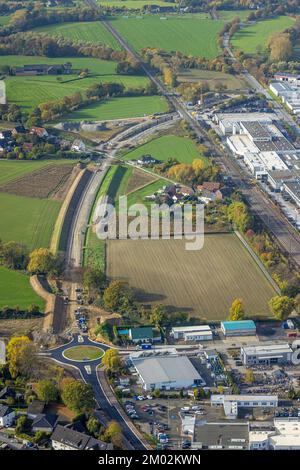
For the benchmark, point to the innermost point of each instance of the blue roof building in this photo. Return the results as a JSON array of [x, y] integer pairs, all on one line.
[[238, 328]]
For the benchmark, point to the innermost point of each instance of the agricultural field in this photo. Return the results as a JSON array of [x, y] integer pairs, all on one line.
[[191, 35], [15, 290], [88, 31], [165, 147], [31, 194], [213, 79], [28, 92], [120, 108], [202, 283], [256, 36]]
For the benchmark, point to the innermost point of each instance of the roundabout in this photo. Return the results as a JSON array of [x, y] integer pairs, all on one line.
[[83, 353]]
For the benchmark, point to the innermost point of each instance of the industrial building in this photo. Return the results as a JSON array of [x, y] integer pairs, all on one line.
[[238, 328], [192, 333], [266, 354], [289, 93], [284, 435], [221, 436], [166, 372], [232, 403]]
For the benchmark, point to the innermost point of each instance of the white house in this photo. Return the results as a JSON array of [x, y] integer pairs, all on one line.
[[7, 416], [78, 146], [232, 403], [192, 333]]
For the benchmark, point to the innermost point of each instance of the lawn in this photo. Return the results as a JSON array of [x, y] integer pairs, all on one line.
[[27, 220], [28, 92], [202, 283], [10, 170], [257, 35], [232, 82], [191, 35], [165, 147], [15, 290], [89, 31], [120, 108], [83, 353]]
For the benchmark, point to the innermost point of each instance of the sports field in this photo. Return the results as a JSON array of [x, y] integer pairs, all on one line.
[[89, 31], [15, 290], [253, 37], [191, 35], [202, 283], [120, 108], [165, 147], [28, 92]]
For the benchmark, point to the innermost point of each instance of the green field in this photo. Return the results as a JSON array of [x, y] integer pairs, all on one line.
[[15, 290], [83, 353], [28, 92], [138, 197], [120, 108], [134, 4], [4, 20], [232, 82], [90, 31], [27, 220], [165, 147], [191, 35], [256, 36], [10, 170], [228, 15]]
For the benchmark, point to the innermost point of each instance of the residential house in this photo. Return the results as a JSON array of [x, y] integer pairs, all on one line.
[[5, 134], [140, 335], [7, 415], [147, 160], [78, 146], [18, 130], [35, 409], [64, 438], [39, 131], [44, 422]]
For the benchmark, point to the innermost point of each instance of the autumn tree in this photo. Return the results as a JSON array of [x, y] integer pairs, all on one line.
[[77, 396], [43, 261], [249, 376], [46, 391], [21, 356], [113, 433], [281, 47], [281, 306], [236, 311], [117, 295], [112, 360], [239, 215], [158, 316]]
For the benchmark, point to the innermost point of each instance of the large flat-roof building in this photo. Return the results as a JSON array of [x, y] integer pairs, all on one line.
[[238, 328], [284, 435], [166, 373], [192, 333], [266, 354], [232, 403]]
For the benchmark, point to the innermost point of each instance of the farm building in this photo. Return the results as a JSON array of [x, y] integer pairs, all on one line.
[[238, 328], [266, 354], [42, 69], [192, 333], [232, 403], [166, 372], [144, 334]]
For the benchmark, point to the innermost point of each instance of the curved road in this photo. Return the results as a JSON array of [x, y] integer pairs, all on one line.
[[90, 375]]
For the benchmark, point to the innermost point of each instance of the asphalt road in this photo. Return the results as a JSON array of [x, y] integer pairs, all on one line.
[[89, 373]]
